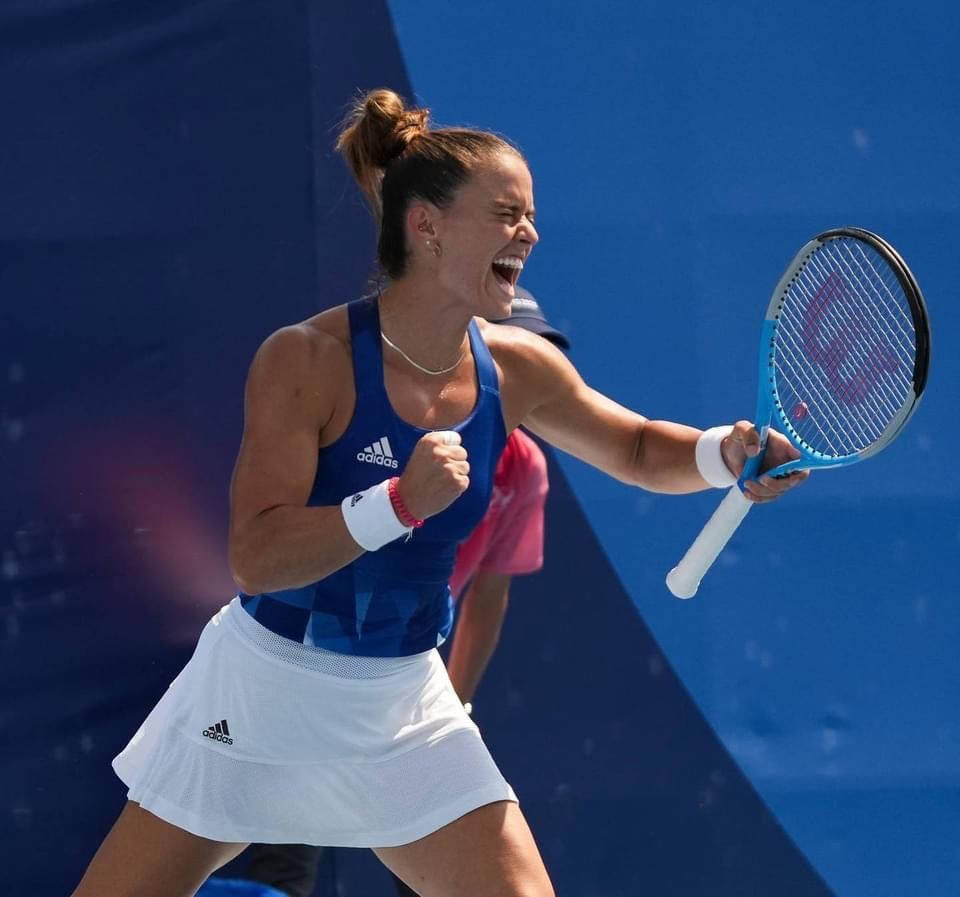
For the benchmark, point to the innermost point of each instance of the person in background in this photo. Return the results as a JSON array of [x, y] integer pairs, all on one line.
[[506, 542]]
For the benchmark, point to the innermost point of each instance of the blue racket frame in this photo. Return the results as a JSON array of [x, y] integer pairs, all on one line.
[[684, 579], [770, 409]]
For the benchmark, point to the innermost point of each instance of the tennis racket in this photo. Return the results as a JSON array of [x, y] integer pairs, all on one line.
[[844, 353]]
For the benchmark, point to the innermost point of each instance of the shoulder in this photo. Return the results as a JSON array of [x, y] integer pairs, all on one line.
[[302, 372], [516, 346], [298, 350], [533, 371], [528, 362]]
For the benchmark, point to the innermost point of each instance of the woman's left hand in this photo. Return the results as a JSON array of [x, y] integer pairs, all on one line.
[[743, 443]]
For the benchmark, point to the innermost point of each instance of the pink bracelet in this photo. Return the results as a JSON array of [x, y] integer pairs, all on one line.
[[400, 509]]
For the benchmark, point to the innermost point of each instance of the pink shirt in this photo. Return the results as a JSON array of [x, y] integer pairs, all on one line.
[[509, 538]]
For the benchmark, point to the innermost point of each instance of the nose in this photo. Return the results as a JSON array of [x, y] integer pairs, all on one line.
[[528, 233]]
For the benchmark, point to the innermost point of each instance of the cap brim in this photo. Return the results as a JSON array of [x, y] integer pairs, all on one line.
[[539, 326]]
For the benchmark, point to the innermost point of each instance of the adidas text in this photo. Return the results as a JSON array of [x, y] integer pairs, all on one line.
[[377, 459], [378, 453], [219, 732]]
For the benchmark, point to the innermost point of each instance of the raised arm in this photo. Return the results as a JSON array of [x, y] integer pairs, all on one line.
[[655, 454]]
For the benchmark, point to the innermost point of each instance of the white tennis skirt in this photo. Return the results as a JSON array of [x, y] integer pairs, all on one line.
[[262, 739]]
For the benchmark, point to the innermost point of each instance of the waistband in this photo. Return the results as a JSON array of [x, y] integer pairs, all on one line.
[[319, 660]]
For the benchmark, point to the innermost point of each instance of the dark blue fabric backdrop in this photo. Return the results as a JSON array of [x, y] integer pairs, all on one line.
[[169, 197]]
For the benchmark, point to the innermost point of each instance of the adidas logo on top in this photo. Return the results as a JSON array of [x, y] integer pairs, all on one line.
[[379, 453], [219, 732]]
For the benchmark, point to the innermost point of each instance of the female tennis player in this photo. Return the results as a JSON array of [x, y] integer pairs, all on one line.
[[315, 708], [506, 542]]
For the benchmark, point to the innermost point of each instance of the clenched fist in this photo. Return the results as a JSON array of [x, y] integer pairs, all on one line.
[[436, 474]]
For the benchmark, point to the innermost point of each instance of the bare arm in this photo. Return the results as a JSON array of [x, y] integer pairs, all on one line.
[[655, 454], [276, 542], [475, 638]]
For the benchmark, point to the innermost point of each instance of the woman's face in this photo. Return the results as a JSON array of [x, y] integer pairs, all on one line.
[[486, 235]]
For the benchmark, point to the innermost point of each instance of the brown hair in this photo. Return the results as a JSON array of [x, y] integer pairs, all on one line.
[[395, 157]]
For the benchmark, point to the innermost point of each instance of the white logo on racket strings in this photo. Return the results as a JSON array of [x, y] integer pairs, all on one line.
[[378, 453]]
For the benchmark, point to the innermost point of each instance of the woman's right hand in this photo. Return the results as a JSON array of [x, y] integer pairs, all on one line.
[[436, 474]]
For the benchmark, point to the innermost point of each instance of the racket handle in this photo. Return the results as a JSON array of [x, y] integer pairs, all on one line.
[[684, 579]]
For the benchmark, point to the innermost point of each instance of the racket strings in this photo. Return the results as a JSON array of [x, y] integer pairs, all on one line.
[[826, 341], [844, 349], [837, 332], [805, 400], [881, 365], [897, 311], [857, 415], [887, 306], [822, 389], [882, 298]]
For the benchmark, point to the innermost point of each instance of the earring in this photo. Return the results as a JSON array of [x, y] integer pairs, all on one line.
[[434, 248]]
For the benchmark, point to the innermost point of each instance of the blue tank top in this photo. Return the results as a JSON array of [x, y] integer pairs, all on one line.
[[394, 601]]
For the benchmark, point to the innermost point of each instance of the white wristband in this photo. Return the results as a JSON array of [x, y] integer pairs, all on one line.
[[370, 518], [710, 461]]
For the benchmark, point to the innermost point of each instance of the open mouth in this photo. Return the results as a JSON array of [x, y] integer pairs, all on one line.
[[507, 270]]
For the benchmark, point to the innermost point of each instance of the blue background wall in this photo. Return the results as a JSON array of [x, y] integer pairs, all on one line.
[[681, 154], [170, 196]]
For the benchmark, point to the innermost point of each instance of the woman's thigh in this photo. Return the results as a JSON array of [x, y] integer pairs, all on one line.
[[489, 852], [143, 856]]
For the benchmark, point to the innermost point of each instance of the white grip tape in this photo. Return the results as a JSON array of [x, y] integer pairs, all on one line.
[[709, 458], [370, 517], [684, 579]]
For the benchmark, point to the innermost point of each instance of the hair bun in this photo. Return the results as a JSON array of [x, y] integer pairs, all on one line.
[[395, 156], [378, 128], [381, 126], [408, 126]]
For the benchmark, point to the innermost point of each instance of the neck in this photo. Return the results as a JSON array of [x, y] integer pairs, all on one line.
[[433, 333]]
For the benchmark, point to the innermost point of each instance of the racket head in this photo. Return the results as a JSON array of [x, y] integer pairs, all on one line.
[[845, 350]]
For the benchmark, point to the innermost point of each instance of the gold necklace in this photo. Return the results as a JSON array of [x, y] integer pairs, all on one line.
[[420, 367]]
